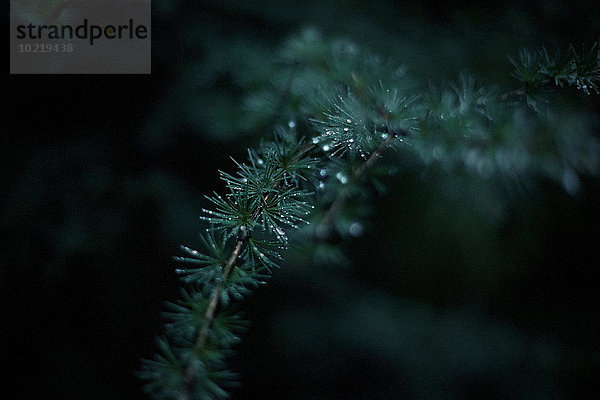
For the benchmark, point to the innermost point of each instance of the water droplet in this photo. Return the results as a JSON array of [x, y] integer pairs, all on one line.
[[316, 140], [260, 161], [292, 124], [356, 229], [323, 172], [349, 121], [346, 129], [326, 147], [384, 135], [321, 185], [342, 178]]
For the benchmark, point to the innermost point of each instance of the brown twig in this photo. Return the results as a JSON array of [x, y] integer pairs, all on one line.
[[209, 317]]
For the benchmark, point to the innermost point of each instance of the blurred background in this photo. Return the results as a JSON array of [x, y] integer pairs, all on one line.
[[447, 294]]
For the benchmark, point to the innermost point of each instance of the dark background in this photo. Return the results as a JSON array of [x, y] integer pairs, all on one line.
[[102, 178]]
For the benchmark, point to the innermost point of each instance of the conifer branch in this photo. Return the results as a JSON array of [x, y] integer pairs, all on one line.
[[214, 298], [539, 70], [209, 317], [457, 127], [215, 295], [541, 84], [263, 196]]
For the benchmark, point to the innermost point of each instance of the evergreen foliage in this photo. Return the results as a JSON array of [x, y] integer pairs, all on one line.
[[344, 121]]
